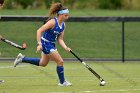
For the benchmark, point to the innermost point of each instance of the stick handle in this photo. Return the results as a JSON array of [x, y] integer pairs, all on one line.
[[89, 68], [76, 56]]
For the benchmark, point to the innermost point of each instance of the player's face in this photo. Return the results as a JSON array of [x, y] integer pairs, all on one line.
[[65, 16]]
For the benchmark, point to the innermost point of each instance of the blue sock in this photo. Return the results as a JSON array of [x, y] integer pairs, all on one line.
[[34, 61], [60, 72]]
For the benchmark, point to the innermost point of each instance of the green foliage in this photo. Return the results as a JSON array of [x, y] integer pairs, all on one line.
[[8, 4], [115, 4], [103, 4], [109, 4], [11, 4], [49, 2], [24, 3], [75, 4], [135, 4]]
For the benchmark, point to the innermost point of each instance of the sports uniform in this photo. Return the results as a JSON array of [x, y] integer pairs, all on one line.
[[48, 40], [50, 36]]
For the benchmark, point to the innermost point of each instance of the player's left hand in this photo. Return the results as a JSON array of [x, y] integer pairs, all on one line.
[[67, 49]]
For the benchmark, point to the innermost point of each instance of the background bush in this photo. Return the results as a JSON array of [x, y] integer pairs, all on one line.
[[74, 4], [110, 4]]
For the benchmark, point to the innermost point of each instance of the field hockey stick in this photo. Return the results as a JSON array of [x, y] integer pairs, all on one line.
[[102, 82], [23, 47]]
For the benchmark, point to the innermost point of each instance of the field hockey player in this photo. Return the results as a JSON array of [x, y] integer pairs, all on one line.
[[53, 30]]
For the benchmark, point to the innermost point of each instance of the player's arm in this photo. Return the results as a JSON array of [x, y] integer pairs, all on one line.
[[49, 25], [62, 43]]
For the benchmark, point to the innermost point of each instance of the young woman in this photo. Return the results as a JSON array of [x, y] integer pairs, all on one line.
[[53, 30]]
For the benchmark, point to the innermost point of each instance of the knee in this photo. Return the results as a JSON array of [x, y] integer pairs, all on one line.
[[60, 63], [43, 64]]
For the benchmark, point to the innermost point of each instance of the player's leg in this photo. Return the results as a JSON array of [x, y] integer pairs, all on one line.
[[60, 68], [44, 60], [35, 61]]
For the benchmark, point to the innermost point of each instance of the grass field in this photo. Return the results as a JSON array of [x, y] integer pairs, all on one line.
[[88, 40], [120, 78], [74, 12], [98, 39]]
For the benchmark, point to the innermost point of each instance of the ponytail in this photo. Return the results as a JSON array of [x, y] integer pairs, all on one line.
[[55, 8]]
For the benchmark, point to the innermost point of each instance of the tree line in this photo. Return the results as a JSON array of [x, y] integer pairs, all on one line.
[[73, 4]]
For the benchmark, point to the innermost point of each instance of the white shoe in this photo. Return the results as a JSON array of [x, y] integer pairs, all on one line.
[[18, 59], [66, 83], [1, 81]]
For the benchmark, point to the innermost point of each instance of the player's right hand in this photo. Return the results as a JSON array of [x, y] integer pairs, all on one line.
[[39, 48]]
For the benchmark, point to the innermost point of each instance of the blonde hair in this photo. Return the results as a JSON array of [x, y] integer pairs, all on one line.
[[55, 7]]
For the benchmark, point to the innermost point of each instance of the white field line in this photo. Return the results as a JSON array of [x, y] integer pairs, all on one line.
[[2, 67], [60, 92], [21, 77], [119, 90]]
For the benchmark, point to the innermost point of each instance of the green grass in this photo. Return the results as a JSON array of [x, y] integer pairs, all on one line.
[[120, 78], [74, 12], [88, 39]]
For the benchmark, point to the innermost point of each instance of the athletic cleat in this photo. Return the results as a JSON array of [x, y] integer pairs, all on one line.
[[66, 83], [18, 59], [1, 81]]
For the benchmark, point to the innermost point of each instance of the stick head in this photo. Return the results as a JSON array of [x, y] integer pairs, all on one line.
[[102, 83]]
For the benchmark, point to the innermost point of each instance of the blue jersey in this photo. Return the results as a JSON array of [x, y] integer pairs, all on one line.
[[52, 34]]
